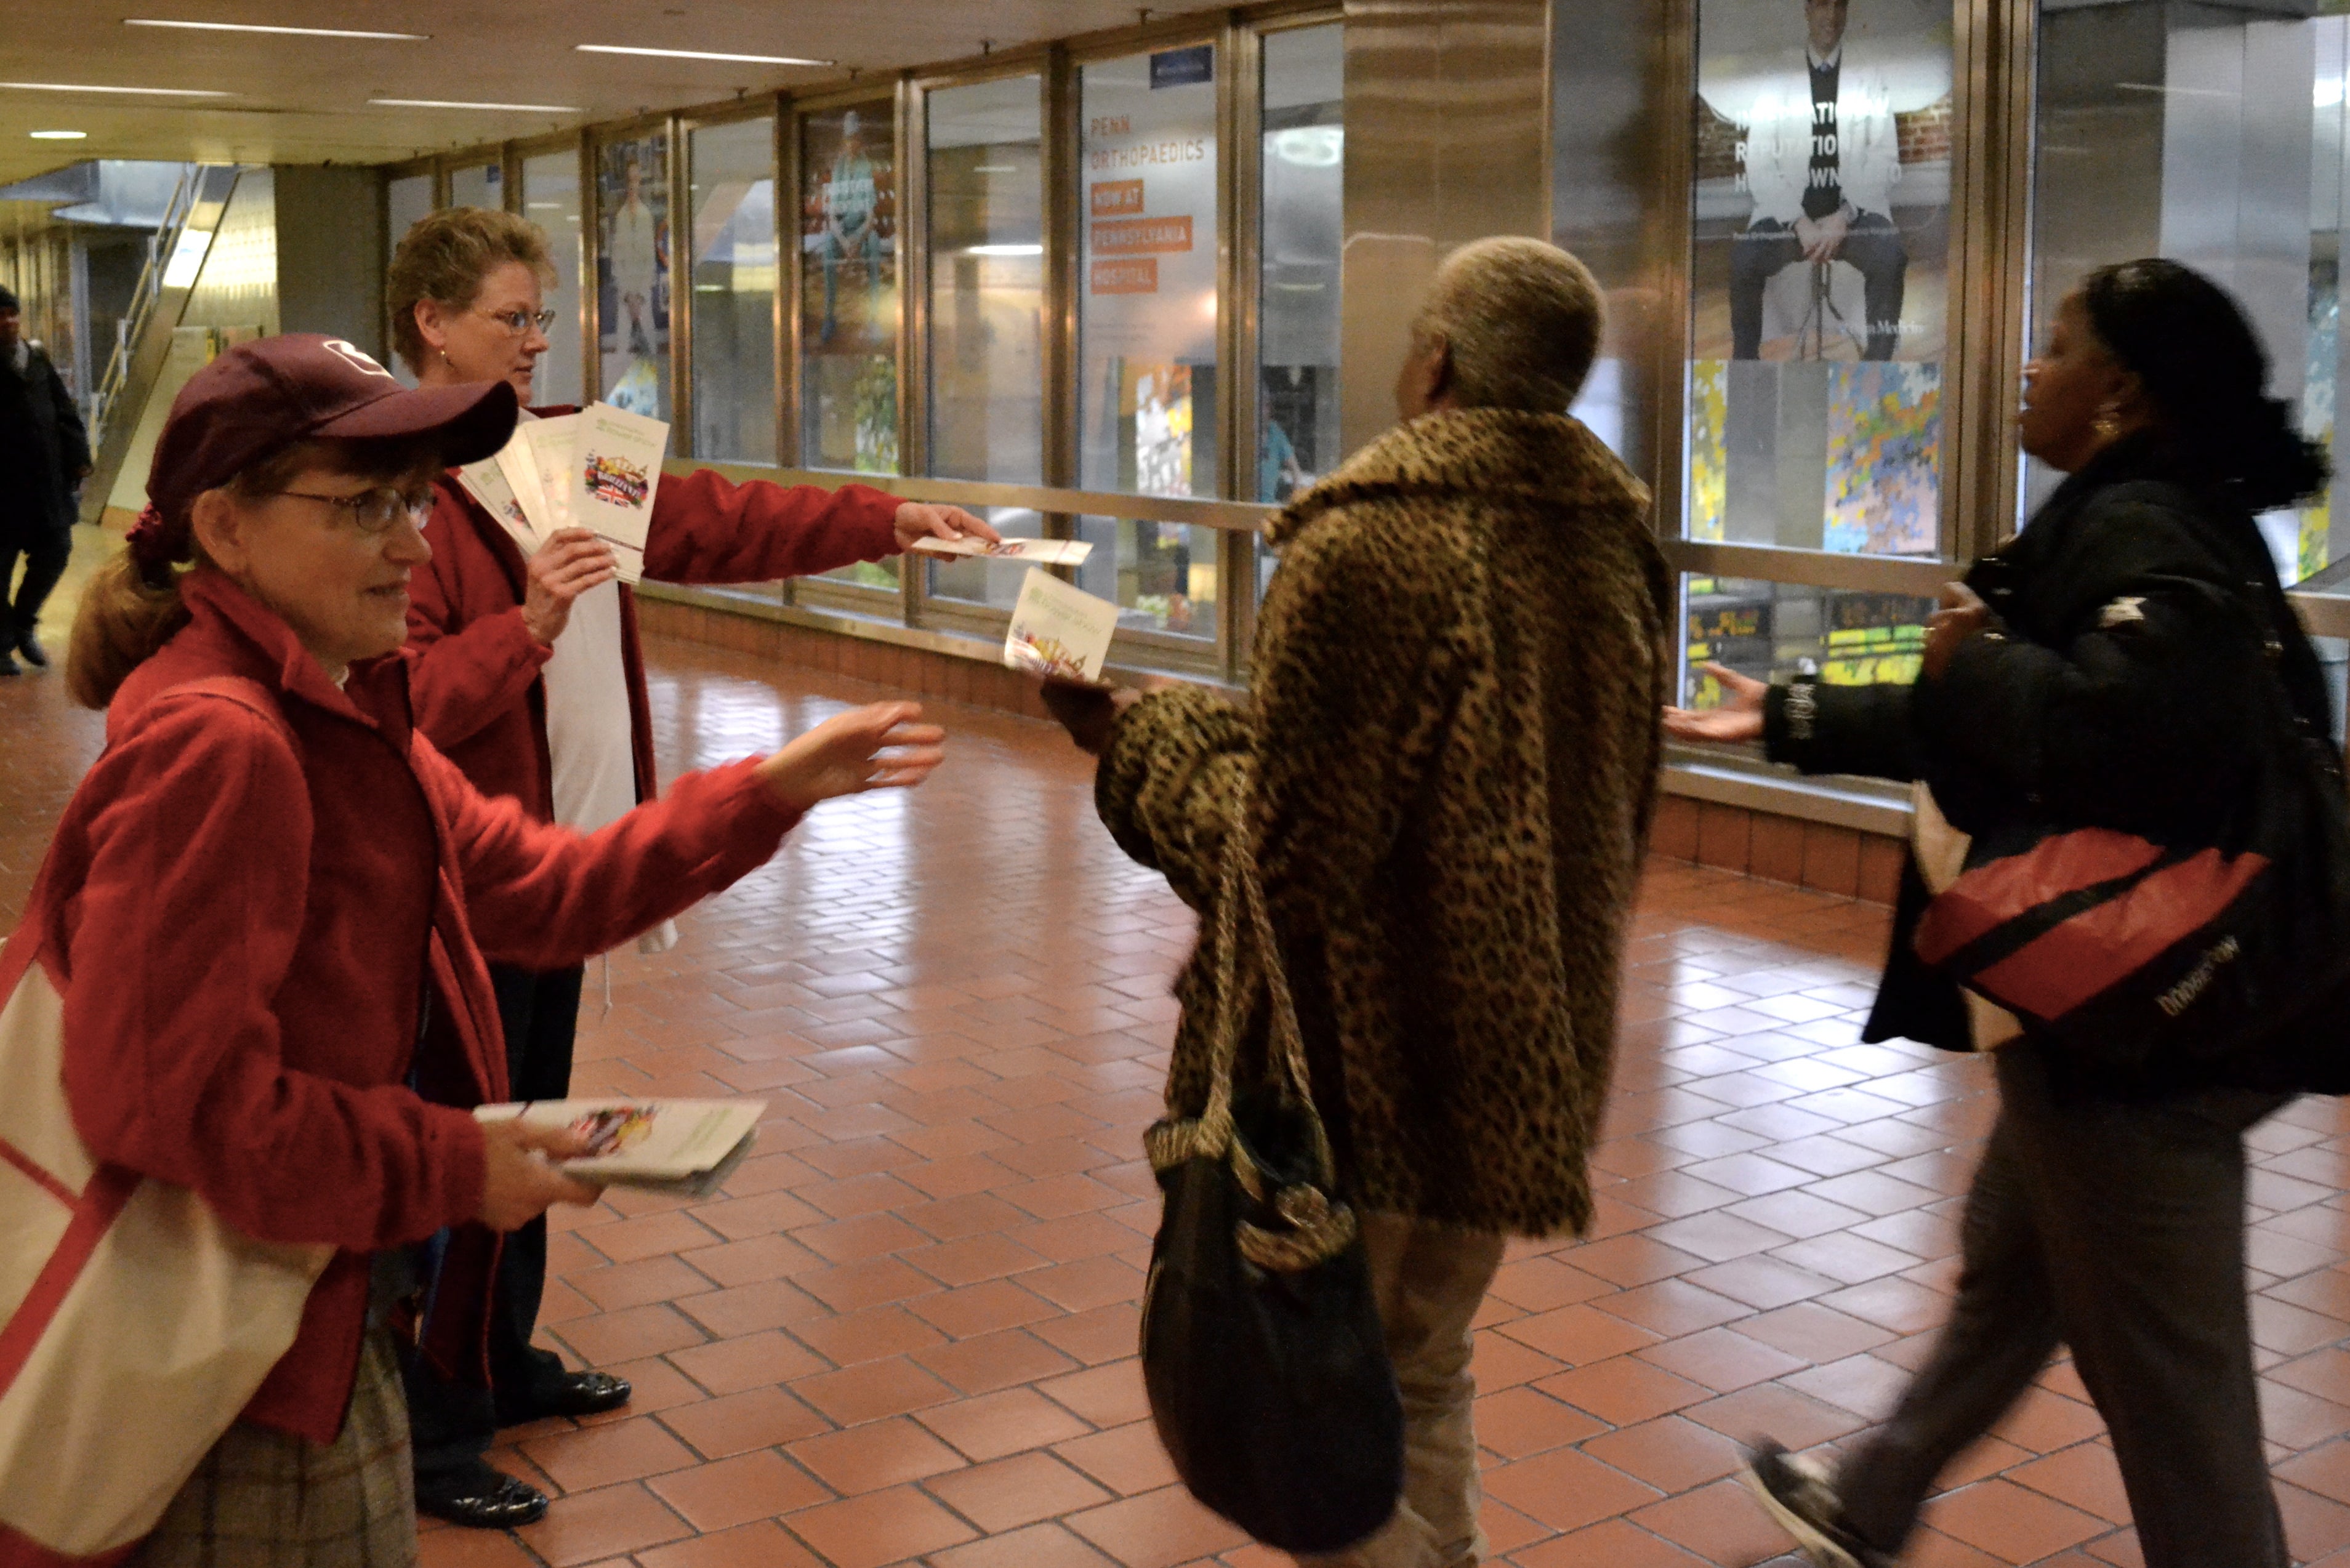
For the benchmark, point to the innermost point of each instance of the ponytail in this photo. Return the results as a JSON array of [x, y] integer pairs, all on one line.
[[124, 621], [2203, 367]]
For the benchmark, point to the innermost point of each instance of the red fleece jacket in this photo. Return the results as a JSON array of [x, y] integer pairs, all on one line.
[[246, 931], [476, 678]]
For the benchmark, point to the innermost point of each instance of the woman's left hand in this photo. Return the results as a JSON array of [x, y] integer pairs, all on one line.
[[1963, 614], [920, 520]]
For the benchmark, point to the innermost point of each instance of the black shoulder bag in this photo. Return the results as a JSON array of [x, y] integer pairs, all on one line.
[[1261, 1351]]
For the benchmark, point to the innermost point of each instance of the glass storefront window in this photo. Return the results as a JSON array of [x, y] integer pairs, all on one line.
[[734, 271], [2215, 137], [1819, 280], [1303, 171], [1147, 324], [849, 289], [477, 185], [632, 274], [1162, 576], [1779, 630], [986, 184], [994, 583], [550, 198]]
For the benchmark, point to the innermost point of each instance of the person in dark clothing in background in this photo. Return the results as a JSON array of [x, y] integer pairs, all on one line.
[[43, 455], [2116, 684]]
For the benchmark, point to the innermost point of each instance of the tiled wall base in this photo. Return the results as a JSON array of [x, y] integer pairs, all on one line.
[[1779, 848], [1757, 844]]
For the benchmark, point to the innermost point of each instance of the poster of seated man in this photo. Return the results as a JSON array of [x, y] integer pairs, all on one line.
[[1821, 99]]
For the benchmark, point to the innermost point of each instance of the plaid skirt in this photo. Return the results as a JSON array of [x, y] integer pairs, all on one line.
[[267, 1500]]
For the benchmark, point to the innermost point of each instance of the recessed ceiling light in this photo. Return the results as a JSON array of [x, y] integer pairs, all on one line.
[[446, 103], [257, 28], [699, 55], [88, 86], [58, 135]]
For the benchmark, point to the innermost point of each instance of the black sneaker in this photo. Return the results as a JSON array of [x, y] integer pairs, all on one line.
[[1795, 1493]]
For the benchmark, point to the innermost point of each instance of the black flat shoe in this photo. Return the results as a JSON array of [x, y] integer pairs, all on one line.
[[480, 1497], [573, 1394], [34, 654]]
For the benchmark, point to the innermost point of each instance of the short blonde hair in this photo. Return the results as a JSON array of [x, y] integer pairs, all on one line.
[[446, 256], [1523, 320]]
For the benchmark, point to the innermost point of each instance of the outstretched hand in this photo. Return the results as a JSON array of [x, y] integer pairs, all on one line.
[[920, 520], [878, 746], [1739, 717]]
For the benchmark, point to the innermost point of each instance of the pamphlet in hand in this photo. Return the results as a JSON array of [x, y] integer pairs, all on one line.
[[614, 473], [1059, 630], [684, 1146], [551, 440], [485, 482], [1043, 552]]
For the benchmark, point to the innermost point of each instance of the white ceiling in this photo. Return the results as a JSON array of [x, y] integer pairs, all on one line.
[[304, 99]]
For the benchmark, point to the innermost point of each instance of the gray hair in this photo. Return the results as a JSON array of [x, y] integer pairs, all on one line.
[[1523, 320]]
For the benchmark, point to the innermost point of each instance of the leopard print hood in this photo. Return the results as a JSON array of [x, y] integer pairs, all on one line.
[[1443, 772]]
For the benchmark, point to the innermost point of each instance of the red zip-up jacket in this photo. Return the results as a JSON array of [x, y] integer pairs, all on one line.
[[476, 676], [247, 932]]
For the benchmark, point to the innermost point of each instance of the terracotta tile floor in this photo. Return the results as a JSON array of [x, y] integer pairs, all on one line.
[[905, 1334]]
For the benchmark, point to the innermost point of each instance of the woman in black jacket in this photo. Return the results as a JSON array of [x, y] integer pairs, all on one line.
[[2088, 674]]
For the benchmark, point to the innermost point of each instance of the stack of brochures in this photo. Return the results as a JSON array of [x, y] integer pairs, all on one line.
[[598, 469], [685, 1147]]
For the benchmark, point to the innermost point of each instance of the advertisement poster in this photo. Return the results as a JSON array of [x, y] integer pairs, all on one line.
[[1150, 271], [848, 288], [632, 274], [1820, 278]]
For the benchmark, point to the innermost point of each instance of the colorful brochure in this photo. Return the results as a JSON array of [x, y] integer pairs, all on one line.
[[1042, 552], [485, 482], [1059, 630], [614, 472], [686, 1146]]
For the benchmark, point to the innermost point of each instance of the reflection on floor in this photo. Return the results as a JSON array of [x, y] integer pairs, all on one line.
[[906, 1332]]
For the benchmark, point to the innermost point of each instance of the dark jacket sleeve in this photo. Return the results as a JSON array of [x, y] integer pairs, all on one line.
[[1820, 729], [2134, 707], [73, 436]]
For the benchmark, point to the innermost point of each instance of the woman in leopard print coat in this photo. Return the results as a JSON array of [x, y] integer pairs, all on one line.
[[1450, 752]]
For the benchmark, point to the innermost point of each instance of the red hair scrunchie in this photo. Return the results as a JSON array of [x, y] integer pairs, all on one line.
[[156, 546]]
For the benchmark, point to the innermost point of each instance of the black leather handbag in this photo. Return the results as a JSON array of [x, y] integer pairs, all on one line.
[[1261, 1351]]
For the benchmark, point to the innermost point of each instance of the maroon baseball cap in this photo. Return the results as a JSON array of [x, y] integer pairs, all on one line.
[[262, 396]]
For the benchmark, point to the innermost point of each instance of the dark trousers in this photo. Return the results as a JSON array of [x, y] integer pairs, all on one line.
[[45, 552], [1872, 245], [452, 1425], [2118, 1229]]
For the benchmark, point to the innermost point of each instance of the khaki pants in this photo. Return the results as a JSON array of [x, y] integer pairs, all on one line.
[[1429, 1281]]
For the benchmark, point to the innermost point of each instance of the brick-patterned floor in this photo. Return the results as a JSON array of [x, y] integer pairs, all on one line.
[[906, 1332]]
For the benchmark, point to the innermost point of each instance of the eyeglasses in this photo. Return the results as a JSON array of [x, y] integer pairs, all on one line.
[[372, 512], [519, 322]]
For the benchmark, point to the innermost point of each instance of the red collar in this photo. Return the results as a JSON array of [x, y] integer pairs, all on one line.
[[264, 649]]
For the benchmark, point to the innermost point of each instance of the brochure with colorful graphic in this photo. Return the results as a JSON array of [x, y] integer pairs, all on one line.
[[687, 1147], [615, 471], [1042, 552], [485, 482], [1059, 630]]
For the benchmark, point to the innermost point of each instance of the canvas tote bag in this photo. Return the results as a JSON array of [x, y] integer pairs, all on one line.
[[135, 1324]]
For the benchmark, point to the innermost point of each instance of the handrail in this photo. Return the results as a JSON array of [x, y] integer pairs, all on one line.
[[1235, 516], [160, 247]]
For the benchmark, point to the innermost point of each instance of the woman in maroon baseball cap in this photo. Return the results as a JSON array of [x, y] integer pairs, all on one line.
[[267, 909]]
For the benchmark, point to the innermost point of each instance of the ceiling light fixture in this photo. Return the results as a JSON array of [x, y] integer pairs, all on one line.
[[447, 103], [1006, 250], [259, 28], [87, 86], [699, 55], [58, 135]]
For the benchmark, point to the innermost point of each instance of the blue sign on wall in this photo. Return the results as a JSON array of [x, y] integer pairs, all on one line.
[[1183, 68]]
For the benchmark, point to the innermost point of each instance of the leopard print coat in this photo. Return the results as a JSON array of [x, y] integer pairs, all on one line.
[[1449, 757]]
